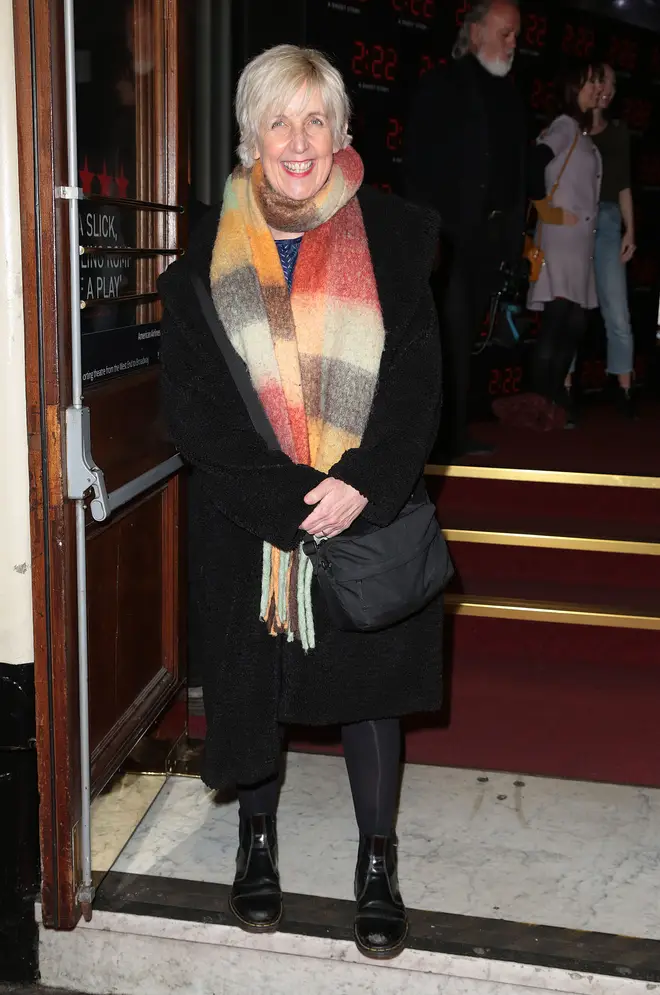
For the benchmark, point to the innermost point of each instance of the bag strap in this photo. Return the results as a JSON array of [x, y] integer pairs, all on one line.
[[555, 187], [563, 168], [236, 367]]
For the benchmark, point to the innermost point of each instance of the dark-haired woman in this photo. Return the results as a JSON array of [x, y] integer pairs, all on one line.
[[567, 162], [615, 240]]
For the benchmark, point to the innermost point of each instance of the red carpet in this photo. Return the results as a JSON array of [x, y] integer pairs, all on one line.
[[578, 701], [558, 509], [559, 700], [590, 578], [603, 442], [536, 698]]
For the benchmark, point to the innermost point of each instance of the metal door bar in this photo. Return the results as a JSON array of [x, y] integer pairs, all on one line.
[[138, 205], [126, 250], [122, 495], [121, 299], [84, 476], [85, 894]]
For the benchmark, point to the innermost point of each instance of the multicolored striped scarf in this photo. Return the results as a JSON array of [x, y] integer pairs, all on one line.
[[313, 355]]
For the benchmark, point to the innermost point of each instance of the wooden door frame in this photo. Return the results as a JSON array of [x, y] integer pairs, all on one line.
[[39, 45], [39, 49]]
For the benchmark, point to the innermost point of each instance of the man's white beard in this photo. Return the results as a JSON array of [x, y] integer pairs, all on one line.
[[496, 67]]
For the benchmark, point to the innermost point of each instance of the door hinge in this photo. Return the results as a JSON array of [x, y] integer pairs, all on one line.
[[82, 471]]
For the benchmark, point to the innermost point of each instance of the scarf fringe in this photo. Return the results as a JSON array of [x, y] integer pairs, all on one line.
[[277, 600]]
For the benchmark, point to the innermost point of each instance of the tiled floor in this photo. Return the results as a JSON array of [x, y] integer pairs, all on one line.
[[534, 850], [482, 855], [117, 813]]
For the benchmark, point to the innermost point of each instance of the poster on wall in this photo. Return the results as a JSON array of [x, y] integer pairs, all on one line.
[[112, 352], [114, 338], [113, 343]]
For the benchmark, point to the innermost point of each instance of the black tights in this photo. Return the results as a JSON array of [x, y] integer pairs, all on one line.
[[373, 753], [562, 327]]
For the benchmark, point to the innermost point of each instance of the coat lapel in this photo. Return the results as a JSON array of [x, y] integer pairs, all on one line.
[[403, 241]]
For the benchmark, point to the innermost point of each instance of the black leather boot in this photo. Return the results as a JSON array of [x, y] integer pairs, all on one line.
[[381, 922], [256, 896]]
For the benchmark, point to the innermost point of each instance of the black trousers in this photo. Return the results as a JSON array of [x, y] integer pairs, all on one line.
[[372, 751], [463, 296], [562, 326]]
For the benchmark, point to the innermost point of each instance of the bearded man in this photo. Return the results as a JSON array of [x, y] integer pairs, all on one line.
[[465, 157]]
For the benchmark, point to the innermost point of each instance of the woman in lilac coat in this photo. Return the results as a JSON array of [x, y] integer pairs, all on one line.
[[566, 287]]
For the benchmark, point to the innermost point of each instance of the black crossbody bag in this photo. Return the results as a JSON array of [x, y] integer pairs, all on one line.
[[371, 577]]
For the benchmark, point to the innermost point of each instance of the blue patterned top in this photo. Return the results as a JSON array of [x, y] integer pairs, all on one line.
[[288, 251]]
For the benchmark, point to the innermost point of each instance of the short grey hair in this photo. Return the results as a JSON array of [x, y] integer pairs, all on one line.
[[270, 81], [475, 16]]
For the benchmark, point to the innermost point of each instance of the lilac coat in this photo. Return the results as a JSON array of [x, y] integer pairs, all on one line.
[[568, 270]]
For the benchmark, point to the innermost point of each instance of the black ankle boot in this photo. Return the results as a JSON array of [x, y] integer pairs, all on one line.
[[381, 922], [256, 896]]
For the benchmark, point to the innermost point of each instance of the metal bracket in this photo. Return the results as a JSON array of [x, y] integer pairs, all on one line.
[[85, 899], [82, 471], [69, 193]]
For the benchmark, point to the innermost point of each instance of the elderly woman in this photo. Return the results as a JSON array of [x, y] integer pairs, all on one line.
[[321, 286]]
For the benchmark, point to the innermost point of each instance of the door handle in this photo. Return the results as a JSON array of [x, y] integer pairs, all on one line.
[[133, 488], [83, 473], [81, 469]]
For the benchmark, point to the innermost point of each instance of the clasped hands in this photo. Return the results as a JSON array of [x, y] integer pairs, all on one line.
[[337, 506]]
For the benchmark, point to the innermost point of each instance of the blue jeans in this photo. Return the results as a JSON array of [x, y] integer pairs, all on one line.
[[612, 289]]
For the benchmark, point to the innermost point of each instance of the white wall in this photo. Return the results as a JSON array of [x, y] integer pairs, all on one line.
[[15, 573]]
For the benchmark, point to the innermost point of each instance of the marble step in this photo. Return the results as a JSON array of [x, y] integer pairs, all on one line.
[[515, 884], [151, 936]]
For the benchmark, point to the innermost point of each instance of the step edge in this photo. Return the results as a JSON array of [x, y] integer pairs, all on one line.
[[548, 611], [549, 541], [544, 476], [473, 945]]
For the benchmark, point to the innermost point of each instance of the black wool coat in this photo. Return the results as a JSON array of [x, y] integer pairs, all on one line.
[[241, 494], [447, 158]]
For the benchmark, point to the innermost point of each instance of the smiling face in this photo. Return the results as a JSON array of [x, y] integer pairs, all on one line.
[[608, 88], [589, 96], [296, 147], [495, 38]]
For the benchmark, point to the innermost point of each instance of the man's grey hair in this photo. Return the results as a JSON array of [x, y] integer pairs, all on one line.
[[475, 16]]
